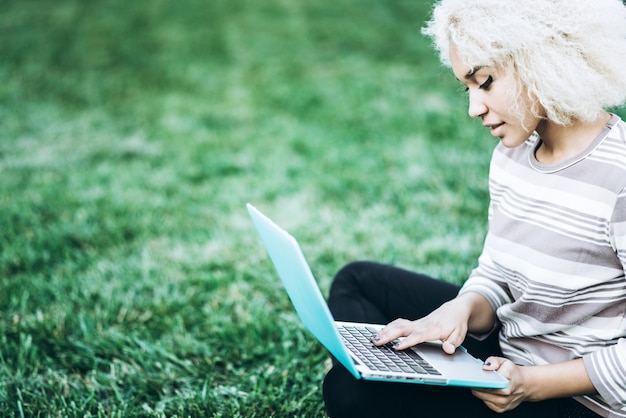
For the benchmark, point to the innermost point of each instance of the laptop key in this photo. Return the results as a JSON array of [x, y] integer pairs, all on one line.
[[385, 357], [418, 368]]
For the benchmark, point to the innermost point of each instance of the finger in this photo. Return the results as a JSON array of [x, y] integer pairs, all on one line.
[[410, 340], [454, 340], [405, 337], [495, 402], [430, 333], [418, 336], [493, 363], [498, 407], [448, 347], [392, 331], [488, 395], [481, 394]]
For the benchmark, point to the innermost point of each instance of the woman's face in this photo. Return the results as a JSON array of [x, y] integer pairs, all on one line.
[[490, 99]]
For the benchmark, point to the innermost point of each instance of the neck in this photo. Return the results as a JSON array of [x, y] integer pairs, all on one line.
[[560, 143]]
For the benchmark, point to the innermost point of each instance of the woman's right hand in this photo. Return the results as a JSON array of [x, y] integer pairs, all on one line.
[[449, 324]]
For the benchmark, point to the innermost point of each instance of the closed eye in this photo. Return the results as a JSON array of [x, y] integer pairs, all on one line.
[[487, 83], [483, 86]]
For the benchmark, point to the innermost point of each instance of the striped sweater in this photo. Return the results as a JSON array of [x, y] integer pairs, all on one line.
[[554, 259]]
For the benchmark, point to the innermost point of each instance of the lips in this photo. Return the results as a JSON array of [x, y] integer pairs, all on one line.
[[496, 128]]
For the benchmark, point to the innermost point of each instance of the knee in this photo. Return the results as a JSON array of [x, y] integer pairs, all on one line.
[[352, 273]]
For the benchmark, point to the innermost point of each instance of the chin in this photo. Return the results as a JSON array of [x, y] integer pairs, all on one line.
[[512, 142], [515, 139]]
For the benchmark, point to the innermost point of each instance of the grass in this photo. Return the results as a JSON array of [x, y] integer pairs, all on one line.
[[133, 134]]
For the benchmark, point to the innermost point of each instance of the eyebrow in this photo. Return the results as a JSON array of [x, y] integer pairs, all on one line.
[[473, 71]]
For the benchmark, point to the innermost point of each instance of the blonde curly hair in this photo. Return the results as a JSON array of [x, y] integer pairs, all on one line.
[[570, 55]]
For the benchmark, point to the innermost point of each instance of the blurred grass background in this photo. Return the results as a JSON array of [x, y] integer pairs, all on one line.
[[132, 135]]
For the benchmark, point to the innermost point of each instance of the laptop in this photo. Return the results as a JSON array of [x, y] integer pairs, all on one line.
[[350, 342]]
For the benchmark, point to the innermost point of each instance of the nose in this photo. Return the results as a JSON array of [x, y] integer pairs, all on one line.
[[477, 107]]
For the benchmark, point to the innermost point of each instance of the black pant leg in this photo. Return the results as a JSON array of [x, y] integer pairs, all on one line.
[[378, 293]]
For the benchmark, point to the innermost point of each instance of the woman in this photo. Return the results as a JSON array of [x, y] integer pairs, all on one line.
[[546, 305]]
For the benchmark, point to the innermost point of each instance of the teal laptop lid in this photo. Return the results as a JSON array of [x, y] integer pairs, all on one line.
[[301, 286]]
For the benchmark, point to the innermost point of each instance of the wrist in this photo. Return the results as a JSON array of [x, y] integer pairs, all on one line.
[[533, 390], [480, 315], [556, 380]]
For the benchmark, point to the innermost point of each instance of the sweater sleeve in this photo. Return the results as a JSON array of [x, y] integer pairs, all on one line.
[[487, 280], [607, 367], [607, 371]]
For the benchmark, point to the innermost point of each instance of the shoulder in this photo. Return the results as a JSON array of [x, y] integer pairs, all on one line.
[[619, 128], [611, 152]]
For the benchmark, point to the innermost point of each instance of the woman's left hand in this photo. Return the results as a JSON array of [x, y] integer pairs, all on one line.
[[506, 399], [534, 383]]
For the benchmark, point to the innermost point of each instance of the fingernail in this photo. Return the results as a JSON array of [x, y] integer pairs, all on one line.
[[375, 337], [487, 363], [396, 345]]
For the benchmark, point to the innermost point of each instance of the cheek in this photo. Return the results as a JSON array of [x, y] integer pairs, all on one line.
[[512, 101], [527, 106], [521, 111]]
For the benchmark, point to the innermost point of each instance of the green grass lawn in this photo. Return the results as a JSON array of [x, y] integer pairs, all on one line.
[[132, 134]]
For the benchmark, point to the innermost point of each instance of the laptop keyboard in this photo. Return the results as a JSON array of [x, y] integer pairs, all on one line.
[[384, 358]]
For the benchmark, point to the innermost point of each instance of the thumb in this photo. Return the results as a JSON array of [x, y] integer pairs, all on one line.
[[448, 347], [451, 343], [493, 363]]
